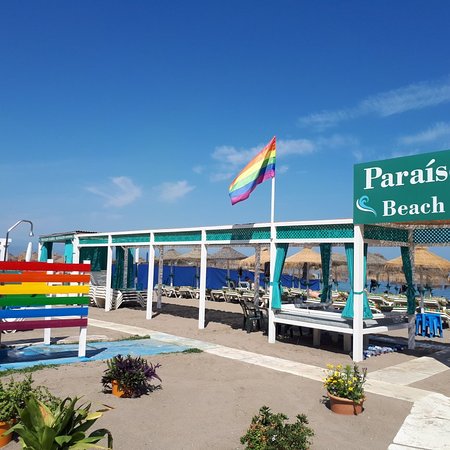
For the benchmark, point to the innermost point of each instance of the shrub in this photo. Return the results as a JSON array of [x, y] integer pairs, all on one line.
[[269, 431], [133, 375], [14, 395]]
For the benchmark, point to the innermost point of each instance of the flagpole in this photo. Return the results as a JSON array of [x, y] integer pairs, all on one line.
[[271, 331]]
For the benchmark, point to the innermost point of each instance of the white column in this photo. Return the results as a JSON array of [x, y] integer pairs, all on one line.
[[76, 250], [160, 276], [48, 331], [151, 268], [203, 266], [83, 333], [412, 317], [108, 289], [273, 249], [358, 287]]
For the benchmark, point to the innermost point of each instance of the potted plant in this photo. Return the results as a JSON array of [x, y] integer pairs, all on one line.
[[65, 427], [345, 388], [13, 395], [129, 376]]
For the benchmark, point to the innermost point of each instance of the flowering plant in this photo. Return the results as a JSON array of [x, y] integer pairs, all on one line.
[[346, 382]]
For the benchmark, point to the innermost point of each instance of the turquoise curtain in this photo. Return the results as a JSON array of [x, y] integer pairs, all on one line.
[[277, 290], [117, 282], [347, 313], [98, 256], [68, 252], [131, 273], [46, 251], [407, 269], [325, 254]]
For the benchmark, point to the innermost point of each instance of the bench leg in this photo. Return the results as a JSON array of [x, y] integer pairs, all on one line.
[[82, 342], [316, 337], [347, 342]]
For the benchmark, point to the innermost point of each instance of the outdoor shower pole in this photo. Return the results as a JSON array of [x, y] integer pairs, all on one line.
[[12, 228]]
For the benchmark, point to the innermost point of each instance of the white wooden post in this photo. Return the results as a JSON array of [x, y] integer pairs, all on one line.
[[358, 287], [160, 276], [108, 289], [273, 250], [48, 331], [151, 268], [83, 332], [76, 250], [412, 317], [202, 299]]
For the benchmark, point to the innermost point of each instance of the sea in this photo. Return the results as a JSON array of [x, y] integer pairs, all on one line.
[[394, 288]]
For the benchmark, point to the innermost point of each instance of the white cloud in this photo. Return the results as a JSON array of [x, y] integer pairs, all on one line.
[[198, 169], [171, 191], [408, 98], [437, 131], [232, 160], [122, 192]]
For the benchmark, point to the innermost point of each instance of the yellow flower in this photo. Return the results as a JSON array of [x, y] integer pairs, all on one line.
[[339, 366], [330, 366]]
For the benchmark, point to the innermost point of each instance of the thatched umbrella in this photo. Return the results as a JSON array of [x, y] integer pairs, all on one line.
[[171, 256], [227, 254], [249, 262], [338, 267], [304, 258], [425, 263], [193, 259]]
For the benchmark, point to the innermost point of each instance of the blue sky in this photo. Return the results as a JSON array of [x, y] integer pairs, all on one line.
[[131, 115]]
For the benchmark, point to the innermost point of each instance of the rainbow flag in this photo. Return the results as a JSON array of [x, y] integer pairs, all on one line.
[[259, 169]]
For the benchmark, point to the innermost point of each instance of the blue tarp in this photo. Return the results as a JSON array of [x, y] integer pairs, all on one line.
[[215, 278]]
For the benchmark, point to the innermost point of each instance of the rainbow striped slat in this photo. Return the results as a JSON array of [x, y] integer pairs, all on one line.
[[258, 170], [28, 284]]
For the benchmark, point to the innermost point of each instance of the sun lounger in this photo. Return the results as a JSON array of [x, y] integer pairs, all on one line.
[[217, 295], [232, 296]]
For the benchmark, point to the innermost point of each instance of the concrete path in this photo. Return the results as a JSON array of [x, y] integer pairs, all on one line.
[[427, 426]]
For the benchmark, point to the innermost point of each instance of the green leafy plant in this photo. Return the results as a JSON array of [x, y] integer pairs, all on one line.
[[269, 431], [14, 394], [133, 375], [346, 382], [40, 428]]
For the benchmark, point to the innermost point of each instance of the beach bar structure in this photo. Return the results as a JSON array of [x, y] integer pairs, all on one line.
[[355, 324]]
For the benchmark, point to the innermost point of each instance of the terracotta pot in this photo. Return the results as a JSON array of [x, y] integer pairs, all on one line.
[[345, 406], [4, 440], [117, 391]]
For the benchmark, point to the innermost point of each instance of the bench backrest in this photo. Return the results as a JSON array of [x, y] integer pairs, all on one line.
[[43, 295]]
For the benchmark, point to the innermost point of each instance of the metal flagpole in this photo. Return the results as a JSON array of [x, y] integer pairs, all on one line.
[[272, 263]]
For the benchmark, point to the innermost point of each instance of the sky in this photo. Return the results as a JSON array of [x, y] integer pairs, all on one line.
[[129, 115]]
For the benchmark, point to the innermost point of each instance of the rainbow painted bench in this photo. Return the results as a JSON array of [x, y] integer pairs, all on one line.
[[44, 295]]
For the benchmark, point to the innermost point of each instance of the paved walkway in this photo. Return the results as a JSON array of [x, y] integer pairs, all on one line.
[[426, 427]]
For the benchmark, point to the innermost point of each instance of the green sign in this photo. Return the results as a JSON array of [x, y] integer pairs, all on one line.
[[410, 189]]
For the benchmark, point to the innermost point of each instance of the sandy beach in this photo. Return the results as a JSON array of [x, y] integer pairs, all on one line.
[[207, 401]]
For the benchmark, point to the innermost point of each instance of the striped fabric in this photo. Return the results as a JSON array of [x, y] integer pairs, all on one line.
[[259, 169]]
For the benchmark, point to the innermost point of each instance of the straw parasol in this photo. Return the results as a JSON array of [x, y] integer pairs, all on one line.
[[227, 254], [249, 262], [424, 260], [426, 263], [305, 255], [171, 256], [193, 259]]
